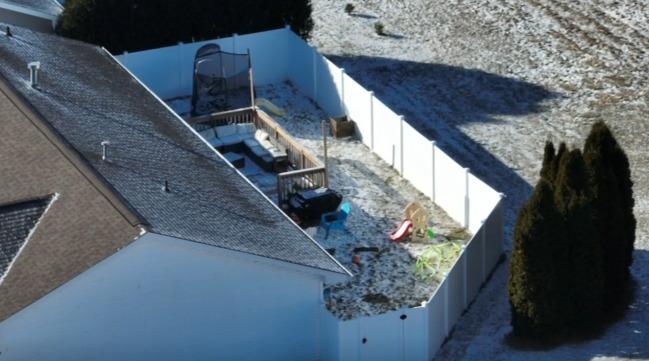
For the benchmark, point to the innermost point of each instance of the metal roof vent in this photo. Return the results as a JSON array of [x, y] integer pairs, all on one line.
[[104, 144], [33, 72]]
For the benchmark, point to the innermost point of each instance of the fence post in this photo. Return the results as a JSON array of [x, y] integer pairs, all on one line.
[[484, 227], [181, 73], [500, 220], [315, 73], [234, 43], [324, 138], [465, 280], [466, 197], [342, 91], [433, 144], [125, 59], [372, 120], [401, 120], [446, 326]]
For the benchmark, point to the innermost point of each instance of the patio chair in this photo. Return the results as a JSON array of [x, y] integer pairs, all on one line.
[[335, 220]]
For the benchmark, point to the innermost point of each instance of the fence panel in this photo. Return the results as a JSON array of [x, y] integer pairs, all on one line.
[[494, 229], [270, 52], [329, 337], [450, 181], [475, 265], [350, 340], [363, 118], [483, 200], [415, 333], [303, 66], [382, 337], [437, 319], [168, 71], [387, 134], [327, 79], [456, 278], [418, 160], [357, 107], [158, 69]]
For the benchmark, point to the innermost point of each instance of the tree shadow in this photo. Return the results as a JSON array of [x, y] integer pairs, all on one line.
[[394, 36], [363, 16], [626, 320]]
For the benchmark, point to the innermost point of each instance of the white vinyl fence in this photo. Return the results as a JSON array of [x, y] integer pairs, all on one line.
[[408, 334]]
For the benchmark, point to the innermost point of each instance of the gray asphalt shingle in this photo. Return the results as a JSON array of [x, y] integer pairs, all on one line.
[[88, 98]]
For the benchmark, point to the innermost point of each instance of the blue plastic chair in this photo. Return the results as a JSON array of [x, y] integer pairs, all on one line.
[[335, 220]]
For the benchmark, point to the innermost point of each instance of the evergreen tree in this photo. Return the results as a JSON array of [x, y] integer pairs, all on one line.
[[563, 148], [583, 290], [573, 240], [548, 171], [537, 268], [612, 198], [132, 25]]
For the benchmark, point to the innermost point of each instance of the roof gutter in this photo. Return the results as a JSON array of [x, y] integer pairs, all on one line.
[[27, 11]]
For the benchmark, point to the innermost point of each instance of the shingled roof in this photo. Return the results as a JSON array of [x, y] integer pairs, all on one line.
[[162, 170], [16, 223], [47, 7]]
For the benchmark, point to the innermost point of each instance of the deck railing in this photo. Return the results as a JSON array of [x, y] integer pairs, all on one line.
[[293, 181], [308, 173], [243, 115], [298, 157]]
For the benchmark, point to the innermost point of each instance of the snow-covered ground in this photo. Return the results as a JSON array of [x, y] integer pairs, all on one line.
[[491, 81]]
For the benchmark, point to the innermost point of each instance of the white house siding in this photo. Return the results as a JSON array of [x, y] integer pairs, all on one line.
[[165, 299], [27, 21]]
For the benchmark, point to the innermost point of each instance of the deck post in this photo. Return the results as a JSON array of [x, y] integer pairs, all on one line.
[[324, 139]]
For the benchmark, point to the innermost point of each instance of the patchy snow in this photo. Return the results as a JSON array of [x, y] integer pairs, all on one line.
[[385, 277], [384, 280], [491, 81]]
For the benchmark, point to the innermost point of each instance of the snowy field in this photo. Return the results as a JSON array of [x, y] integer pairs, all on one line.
[[491, 81]]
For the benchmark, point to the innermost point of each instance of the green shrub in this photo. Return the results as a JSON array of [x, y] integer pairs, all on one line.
[[379, 28]]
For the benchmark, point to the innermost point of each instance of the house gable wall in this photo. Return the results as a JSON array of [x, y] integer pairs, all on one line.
[[26, 20], [82, 226], [167, 299]]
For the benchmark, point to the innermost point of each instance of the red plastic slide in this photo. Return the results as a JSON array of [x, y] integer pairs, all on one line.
[[402, 231]]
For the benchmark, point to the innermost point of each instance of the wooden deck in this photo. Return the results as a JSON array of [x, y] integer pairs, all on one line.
[[305, 171]]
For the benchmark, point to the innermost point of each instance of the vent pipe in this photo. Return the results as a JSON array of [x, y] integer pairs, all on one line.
[[104, 144], [33, 72], [8, 31]]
